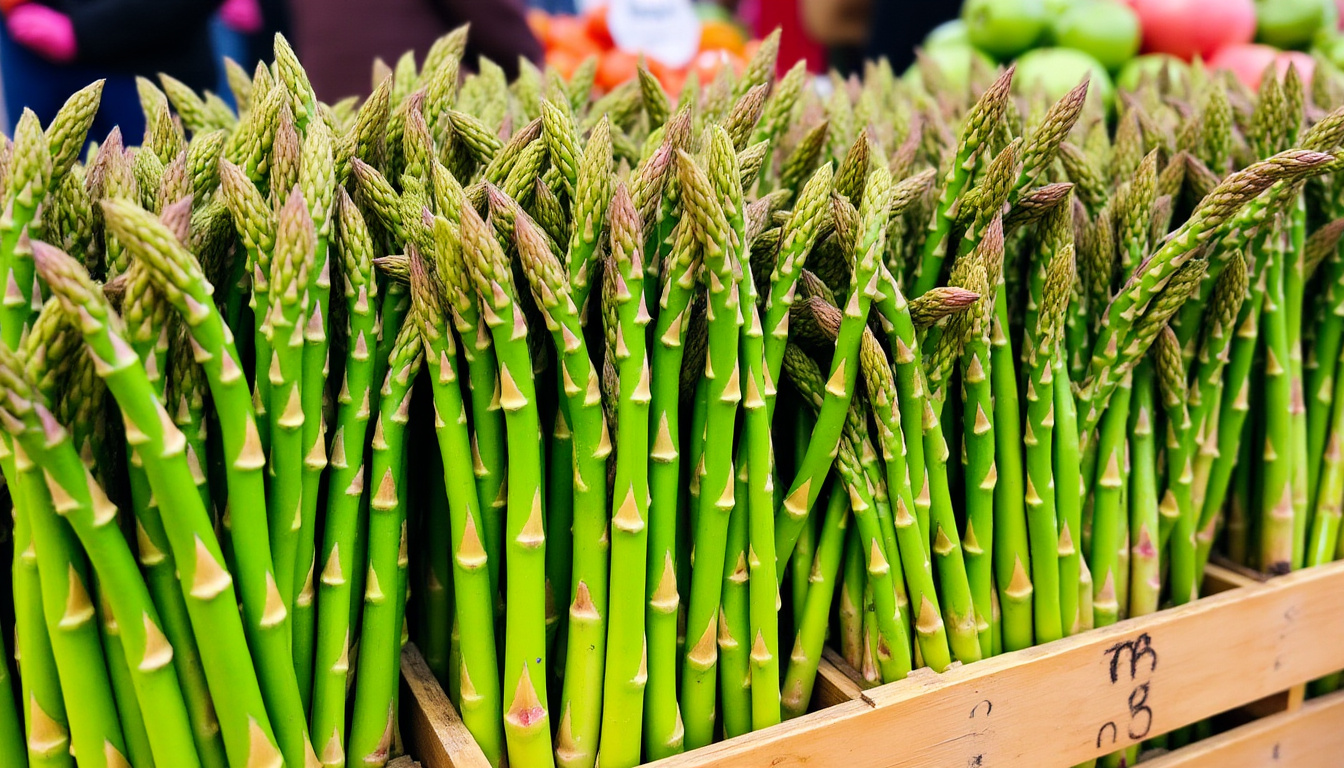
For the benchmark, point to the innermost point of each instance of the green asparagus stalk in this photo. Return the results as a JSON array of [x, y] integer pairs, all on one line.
[[30, 178], [626, 318], [317, 181], [1220, 452], [806, 655], [1044, 529], [722, 254], [1177, 501], [526, 716], [178, 276], [1145, 555], [487, 434], [373, 719], [581, 698], [474, 599], [1206, 391], [663, 729], [1276, 496], [294, 243], [145, 312], [1110, 523], [210, 600]]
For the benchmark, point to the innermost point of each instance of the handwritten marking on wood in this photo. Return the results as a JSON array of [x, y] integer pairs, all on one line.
[[1140, 660]]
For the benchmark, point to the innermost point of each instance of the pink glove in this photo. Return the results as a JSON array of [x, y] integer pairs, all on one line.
[[46, 32], [241, 16]]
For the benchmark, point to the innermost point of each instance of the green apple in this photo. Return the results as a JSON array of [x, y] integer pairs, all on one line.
[[948, 33], [1004, 28], [1058, 70], [1107, 30], [1289, 24], [1151, 65], [953, 61]]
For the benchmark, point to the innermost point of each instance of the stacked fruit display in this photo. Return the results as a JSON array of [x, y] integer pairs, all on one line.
[[1058, 41], [576, 43]]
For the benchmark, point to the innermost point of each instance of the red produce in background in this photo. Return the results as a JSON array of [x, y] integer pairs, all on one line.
[[1187, 28], [1249, 62]]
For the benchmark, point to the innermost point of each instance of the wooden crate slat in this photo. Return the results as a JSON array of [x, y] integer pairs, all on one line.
[[1219, 579], [433, 732], [1310, 737], [1060, 704], [836, 683]]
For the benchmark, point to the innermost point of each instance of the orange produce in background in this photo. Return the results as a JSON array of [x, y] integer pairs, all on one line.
[[595, 21], [722, 34], [564, 62], [569, 40], [568, 33], [615, 67]]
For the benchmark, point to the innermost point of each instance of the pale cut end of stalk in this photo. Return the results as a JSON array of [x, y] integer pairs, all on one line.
[[261, 752], [526, 709]]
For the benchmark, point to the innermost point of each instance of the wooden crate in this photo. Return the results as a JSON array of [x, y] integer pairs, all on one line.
[[1311, 736], [1056, 705]]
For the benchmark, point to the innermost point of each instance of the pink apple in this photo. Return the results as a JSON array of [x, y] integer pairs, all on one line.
[[1248, 62], [1187, 28]]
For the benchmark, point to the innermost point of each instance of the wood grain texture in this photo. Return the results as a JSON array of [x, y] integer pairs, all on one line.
[[433, 731], [1052, 706], [1310, 737], [1072, 700], [837, 682], [1219, 579]]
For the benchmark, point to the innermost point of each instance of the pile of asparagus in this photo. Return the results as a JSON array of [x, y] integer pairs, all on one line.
[[625, 406]]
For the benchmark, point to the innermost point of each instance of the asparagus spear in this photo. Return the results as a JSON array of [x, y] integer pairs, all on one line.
[[626, 317], [480, 701], [317, 181], [210, 601], [84, 506], [722, 252], [178, 276], [526, 716], [373, 721]]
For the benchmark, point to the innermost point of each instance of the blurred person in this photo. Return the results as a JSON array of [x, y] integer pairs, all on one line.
[[231, 30], [245, 30], [338, 39], [50, 49]]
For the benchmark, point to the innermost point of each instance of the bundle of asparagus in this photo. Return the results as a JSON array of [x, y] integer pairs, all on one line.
[[594, 306]]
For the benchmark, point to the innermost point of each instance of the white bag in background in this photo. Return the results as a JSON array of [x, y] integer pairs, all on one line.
[[665, 30]]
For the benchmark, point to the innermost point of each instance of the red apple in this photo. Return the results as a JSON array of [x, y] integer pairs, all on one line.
[[1187, 28]]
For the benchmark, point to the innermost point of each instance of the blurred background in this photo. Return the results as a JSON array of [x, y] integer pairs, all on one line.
[[50, 48]]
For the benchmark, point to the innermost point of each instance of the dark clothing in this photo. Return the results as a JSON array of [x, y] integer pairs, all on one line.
[[145, 37], [899, 27], [33, 82], [115, 40], [261, 46], [339, 39]]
